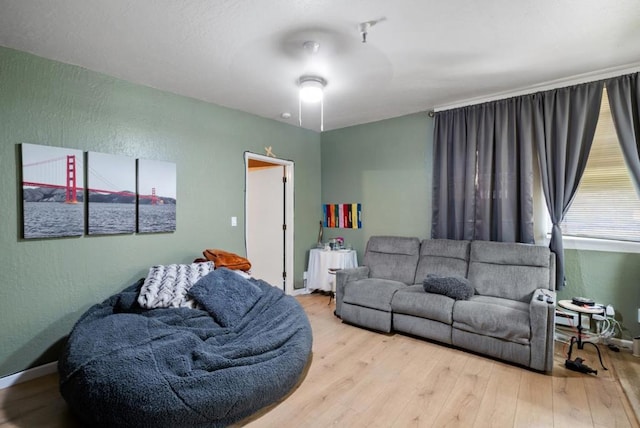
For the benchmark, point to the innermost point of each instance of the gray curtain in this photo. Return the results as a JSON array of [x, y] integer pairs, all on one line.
[[453, 177], [624, 99], [483, 172], [565, 123]]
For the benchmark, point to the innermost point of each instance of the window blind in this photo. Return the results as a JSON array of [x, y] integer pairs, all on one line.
[[606, 205]]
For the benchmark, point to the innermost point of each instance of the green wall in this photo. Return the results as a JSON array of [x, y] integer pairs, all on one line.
[[609, 278], [46, 284], [387, 166]]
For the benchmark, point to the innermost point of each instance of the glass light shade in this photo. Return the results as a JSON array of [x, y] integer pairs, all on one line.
[[311, 91]]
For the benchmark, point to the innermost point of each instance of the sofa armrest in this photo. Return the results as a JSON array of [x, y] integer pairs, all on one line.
[[542, 319], [344, 276]]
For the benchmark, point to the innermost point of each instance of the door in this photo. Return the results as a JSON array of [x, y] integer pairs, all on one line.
[[269, 218]]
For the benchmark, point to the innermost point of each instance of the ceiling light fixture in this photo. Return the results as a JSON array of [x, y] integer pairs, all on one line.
[[311, 91]]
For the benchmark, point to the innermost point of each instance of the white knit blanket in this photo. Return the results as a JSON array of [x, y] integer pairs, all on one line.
[[166, 286]]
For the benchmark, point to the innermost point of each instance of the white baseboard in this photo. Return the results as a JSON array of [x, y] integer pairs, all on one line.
[[23, 376], [300, 292]]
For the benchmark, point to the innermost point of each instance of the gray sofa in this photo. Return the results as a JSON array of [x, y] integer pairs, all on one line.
[[510, 316]]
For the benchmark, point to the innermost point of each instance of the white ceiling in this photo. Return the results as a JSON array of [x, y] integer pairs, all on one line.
[[248, 55]]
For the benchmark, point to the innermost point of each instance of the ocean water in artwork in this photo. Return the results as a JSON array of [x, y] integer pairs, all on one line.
[[157, 218], [111, 218], [52, 219]]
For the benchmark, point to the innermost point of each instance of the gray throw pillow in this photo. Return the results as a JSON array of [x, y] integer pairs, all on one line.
[[456, 287], [226, 295]]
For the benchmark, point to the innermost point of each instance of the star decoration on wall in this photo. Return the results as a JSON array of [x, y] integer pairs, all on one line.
[[269, 151]]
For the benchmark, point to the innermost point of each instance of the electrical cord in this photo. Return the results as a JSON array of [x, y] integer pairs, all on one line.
[[609, 328], [585, 335], [605, 329]]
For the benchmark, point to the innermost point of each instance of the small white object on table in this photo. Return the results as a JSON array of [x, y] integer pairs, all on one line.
[[320, 261]]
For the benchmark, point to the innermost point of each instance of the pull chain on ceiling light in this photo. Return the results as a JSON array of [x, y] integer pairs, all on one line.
[[311, 91]]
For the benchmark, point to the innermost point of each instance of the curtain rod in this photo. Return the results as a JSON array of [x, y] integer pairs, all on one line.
[[552, 84]]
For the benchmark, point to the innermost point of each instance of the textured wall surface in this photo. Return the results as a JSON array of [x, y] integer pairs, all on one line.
[[608, 278], [45, 285], [387, 167]]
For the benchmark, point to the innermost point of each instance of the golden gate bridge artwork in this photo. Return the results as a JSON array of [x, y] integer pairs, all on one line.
[[158, 213], [111, 181], [54, 193], [71, 186], [52, 186]]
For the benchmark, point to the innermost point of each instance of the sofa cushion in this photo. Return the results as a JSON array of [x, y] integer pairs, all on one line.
[[392, 257], [493, 316], [373, 293], [518, 353], [413, 300], [446, 257], [370, 318], [456, 287], [509, 270]]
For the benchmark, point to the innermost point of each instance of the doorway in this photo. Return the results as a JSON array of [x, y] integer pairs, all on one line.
[[269, 219]]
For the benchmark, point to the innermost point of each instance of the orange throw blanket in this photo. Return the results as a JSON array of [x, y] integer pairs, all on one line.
[[226, 259]]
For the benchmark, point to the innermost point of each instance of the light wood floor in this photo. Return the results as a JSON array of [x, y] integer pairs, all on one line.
[[359, 378]]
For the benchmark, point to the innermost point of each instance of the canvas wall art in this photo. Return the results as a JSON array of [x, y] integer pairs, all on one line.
[[111, 189], [52, 191], [344, 216], [156, 196]]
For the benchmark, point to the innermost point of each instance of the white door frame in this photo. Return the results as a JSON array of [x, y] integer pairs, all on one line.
[[289, 209]]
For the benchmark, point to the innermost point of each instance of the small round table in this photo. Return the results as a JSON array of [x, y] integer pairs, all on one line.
[[582, 309], [320, 261]]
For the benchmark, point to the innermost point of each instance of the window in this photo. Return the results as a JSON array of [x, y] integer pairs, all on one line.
[[606, 205]]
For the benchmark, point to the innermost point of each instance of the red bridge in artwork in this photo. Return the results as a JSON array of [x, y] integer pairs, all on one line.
[[71, 187]]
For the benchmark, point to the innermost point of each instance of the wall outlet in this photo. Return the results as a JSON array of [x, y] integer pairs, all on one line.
[[639, 315], [234, 221]]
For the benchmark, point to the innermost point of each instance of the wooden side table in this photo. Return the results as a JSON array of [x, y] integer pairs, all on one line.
[[580, 309]]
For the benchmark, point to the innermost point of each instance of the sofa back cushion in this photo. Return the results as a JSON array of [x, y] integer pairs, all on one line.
[[509, 270], [392, 257], [444, 257]]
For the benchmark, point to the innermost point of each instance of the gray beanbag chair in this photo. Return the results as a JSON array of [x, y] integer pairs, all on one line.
[[125, 366]]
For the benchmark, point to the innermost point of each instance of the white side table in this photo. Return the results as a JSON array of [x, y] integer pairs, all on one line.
[[320, 261]]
